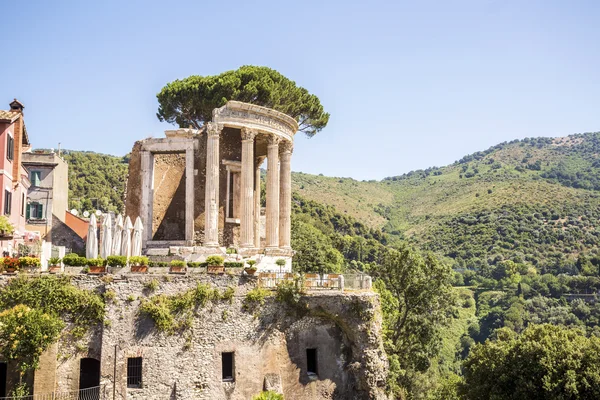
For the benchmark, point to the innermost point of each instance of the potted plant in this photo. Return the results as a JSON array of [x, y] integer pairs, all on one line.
[[177, 267], [116, 262], [251, 268], [11, 264], [54, 265], [30, 264], [214, 265], [280, 262], [139, 264], [96, 266]]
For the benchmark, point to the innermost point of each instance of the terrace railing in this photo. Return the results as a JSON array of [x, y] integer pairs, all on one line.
[[317, 281], [93, 393]]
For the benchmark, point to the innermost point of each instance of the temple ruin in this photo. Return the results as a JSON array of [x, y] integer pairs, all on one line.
[[197, 191]]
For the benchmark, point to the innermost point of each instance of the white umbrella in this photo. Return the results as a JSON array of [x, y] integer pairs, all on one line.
[[136, 241], [117, 234], [91, 247], [126, 241], [107, 243]]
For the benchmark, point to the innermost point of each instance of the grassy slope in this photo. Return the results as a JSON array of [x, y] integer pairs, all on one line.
[[413, 204]]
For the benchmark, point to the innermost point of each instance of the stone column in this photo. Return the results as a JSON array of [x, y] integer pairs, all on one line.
[[285, 194], [247, 189], [273, 192], [211, 205], [147, 195], [189, 196], [259, 162]]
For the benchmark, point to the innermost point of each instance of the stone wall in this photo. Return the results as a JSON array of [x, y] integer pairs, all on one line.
[[169, 186], [269, 344]]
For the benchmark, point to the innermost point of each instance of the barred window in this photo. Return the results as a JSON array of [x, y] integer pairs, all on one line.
[[134, 372]]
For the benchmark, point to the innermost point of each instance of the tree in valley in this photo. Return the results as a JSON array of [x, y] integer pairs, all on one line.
[[190, 101], [544, 362], [417, 298]]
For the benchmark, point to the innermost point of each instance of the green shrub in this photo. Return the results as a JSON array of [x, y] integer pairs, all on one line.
[[228, 294], [116, 261], [96, 262], [194, 264], [161, 264], [231, 250], [151, 285], [177, 263], [29, 262], [255, 298], [270, 395], [74, 260], [138, 260], [215, 260], [288, 292], [233, 264]]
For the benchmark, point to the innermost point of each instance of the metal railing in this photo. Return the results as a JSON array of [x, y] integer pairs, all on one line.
[[316, 281], [93, 393]]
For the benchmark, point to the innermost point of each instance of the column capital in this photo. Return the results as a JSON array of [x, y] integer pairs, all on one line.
[[273, 140], [213, 129], [286, 146], [248, 133]]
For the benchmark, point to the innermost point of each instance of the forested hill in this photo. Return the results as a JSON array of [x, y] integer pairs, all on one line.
[[532, 200]]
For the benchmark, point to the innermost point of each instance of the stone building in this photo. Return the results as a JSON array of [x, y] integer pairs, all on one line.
[[49, 191], [198, 191], [14, 140]]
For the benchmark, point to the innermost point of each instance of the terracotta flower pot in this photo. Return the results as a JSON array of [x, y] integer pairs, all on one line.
[[97, 270], [250, 271], [53, 269], [176, 269], [139, 269], [215, 269]]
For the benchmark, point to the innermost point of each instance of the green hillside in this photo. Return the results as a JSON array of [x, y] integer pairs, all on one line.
[[534, 200]]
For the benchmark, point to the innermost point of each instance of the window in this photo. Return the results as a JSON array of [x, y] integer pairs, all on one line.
[[227, 367], [7, 202], [35, 177], [10, 147], [134, 372], [311, 362], [22, 204], [35, 211]]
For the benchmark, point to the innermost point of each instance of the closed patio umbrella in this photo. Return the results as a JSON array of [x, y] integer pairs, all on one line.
[[117, 234], [136, 240], [126, 240], [107, 243], [91, 247]]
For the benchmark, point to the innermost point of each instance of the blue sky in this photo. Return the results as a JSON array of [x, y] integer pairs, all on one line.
[[408, 84]]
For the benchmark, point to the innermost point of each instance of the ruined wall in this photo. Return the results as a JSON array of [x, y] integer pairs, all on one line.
[[269, 344], [133, 196]]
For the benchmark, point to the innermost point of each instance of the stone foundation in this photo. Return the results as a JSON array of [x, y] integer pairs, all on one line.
[[269, 344]]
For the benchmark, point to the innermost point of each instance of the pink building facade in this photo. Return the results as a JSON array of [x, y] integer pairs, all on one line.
[[14, 177]]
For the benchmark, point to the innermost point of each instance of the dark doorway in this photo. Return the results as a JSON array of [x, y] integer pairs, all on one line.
[[89, 373], [3, 372], [311, 362], [227, 366]]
